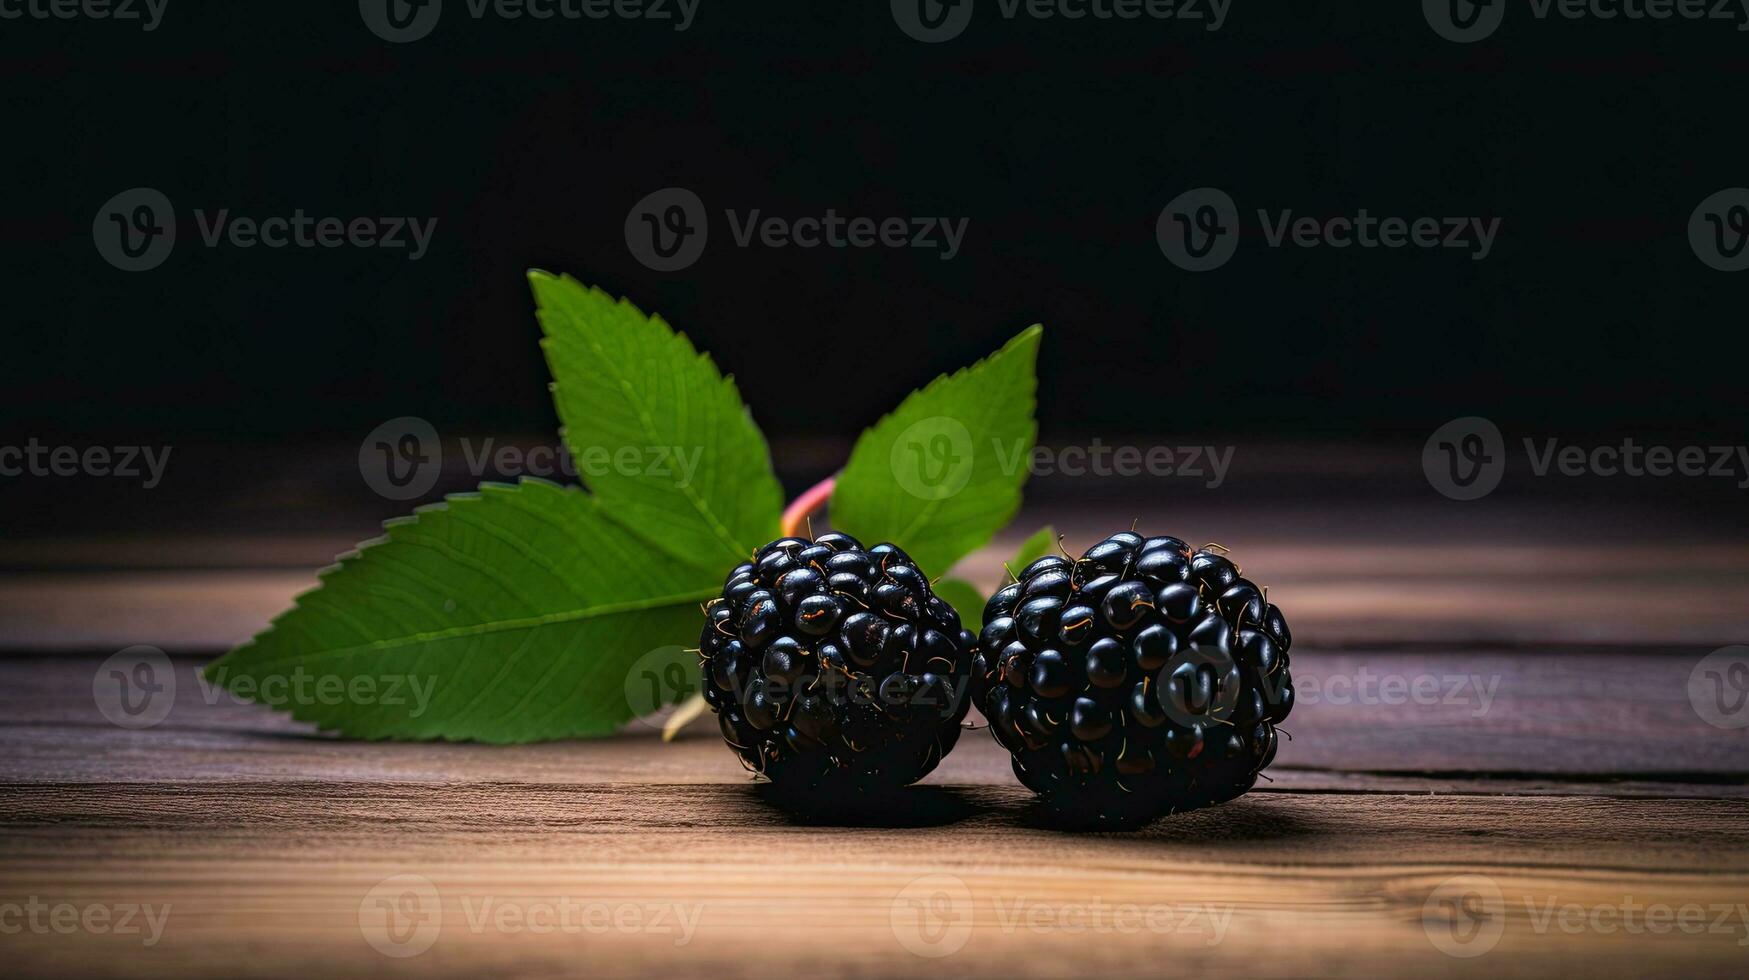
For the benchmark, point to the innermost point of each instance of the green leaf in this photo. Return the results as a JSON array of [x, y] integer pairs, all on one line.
[[658, 434], [532, 612], [509, 615], [966, 600], [1042, 543], [942, 474]]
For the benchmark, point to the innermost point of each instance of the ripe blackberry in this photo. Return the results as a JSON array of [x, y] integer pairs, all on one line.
[[833, 666], [1143, 679]]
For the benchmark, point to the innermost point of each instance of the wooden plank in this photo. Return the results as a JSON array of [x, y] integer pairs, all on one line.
[[1587, 722], [1557, 756], [286, 879], [1426, 574], [210, 611], [266, 840]]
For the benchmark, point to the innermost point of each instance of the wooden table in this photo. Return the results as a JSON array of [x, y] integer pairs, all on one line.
[[1501, 771]]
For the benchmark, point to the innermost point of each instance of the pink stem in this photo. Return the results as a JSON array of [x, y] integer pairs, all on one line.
[[795, 516]]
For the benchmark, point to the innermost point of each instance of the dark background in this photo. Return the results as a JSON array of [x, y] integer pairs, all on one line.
[[1592, 141]]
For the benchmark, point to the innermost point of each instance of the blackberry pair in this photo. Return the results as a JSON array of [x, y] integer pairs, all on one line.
[[1141, 679]]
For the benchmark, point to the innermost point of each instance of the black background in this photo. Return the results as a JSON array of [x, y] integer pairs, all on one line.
[[1060, 141]]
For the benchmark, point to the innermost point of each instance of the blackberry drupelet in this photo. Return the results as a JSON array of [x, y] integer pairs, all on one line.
[[833, 666], [1144, 678]]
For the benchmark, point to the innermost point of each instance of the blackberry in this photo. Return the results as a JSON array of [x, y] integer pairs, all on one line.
[[1143, 679], [832, 666]]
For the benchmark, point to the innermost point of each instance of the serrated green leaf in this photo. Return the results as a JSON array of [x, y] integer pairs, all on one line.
[[966, 600], [630, 390], [510, 615], [942, 474], [1043, 542]]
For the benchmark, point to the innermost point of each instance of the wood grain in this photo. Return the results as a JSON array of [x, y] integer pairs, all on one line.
[[266, 840], [270, 879], [1608, 721], [1478, 582], [1550, 787]]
